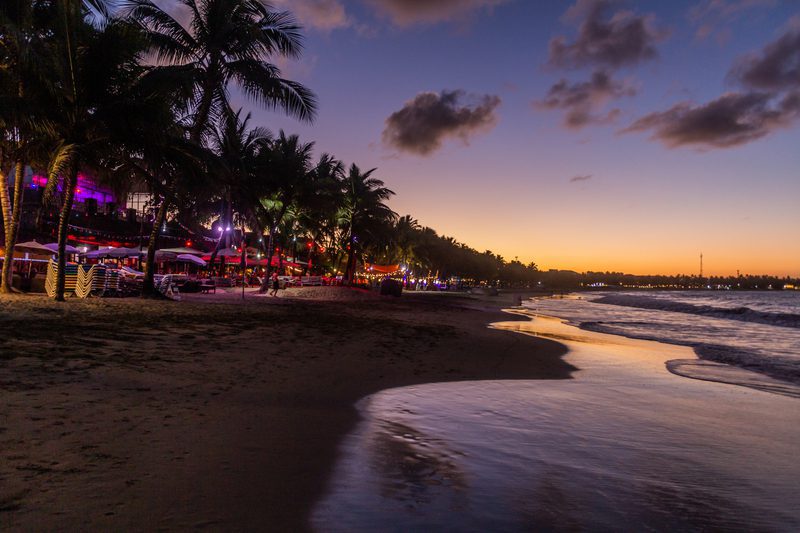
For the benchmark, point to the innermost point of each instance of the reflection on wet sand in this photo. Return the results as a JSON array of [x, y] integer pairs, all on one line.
[[413, 467], [624, 445]]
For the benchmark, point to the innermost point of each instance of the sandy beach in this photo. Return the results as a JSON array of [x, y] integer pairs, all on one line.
[[216, 412]]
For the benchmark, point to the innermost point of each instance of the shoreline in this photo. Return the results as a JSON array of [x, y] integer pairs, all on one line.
[[626, 442], [218, 414], [703, 366]]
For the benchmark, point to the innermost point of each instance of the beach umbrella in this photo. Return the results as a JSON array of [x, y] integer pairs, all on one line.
[[33, 247], [183, 250], [229, 252], [98, 254], [165, 255], [189, 258], [130, 252], [53, 247]]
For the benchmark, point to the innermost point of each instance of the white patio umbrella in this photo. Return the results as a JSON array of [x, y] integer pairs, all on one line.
[[165, 255], [53, 246], [33, 247], [183, 250], [189, 258], [101, 253], [131, 252], [229, 252], [112, 253]]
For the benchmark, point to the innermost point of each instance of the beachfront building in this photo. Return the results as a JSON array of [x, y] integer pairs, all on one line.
[[100, 216]]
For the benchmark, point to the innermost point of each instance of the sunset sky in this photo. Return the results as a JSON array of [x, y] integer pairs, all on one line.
[[596, 135]]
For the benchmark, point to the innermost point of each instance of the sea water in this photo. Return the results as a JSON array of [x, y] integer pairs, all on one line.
[[755, 330], [624, 445]]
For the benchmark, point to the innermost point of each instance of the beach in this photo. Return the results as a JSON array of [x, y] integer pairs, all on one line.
[[216, 412]]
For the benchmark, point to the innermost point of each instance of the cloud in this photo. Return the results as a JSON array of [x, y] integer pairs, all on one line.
[[769, 100], [409, 12], [713, 16], [583, 100], [775, 68], [424, 122], [325, 15], [576, 179], [610, 41], [731, 120]]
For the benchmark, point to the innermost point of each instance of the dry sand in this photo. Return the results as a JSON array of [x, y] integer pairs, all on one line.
[[213, 412]]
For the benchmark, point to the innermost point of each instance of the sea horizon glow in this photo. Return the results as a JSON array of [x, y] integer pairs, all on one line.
[[522, 128]]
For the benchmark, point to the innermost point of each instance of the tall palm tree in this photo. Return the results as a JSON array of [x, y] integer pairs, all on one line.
[[287, 166], [405, 236], [237, 148], [23, 130], [363, 213], [225, 41], [157, 153], [89, 96]]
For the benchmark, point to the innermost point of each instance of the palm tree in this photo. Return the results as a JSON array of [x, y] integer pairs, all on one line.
[[225, 41], [363, 213], [23, 130], [158, 154], [405, 236], [287, 167], [237, 148], [87, 99]]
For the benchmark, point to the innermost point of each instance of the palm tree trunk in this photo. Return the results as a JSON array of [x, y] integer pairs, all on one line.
[[8, 261], [265, 282], [12, 227], [225, 221], [16, 213], [349, 270], [70, 182], [149, 287]]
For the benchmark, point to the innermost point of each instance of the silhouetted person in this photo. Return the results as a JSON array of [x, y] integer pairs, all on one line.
[[275, 284]]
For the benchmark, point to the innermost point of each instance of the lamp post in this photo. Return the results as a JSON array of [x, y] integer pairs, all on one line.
[[244, 261]]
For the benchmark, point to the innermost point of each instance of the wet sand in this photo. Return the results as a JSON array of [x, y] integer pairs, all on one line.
[[212, 412], [626, 445]]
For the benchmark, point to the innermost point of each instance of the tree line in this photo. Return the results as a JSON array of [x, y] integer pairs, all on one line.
[[567, 279]]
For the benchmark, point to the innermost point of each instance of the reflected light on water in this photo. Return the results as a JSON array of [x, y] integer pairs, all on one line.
[[626, 444]]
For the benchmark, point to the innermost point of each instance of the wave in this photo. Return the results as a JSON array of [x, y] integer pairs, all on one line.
[[732, 375], [743, 314], [781, 368]]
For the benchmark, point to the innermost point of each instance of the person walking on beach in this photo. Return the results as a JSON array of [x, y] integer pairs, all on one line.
[[275, 284]]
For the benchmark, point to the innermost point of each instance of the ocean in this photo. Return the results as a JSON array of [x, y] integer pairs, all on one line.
[[627, 444], [754, 330]]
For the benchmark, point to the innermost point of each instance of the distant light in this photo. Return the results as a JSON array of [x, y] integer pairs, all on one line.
[[219, 229], [228, 228]]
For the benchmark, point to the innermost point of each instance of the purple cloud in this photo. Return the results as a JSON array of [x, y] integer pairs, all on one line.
[[425, 121], [582, 101], [731, 120], [604, 39], [409, 12], [775, 68]]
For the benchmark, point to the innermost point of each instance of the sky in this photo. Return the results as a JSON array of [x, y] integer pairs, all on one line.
[[592, 135]]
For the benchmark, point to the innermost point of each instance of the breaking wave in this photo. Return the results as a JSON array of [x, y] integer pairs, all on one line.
[[744, 314]]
